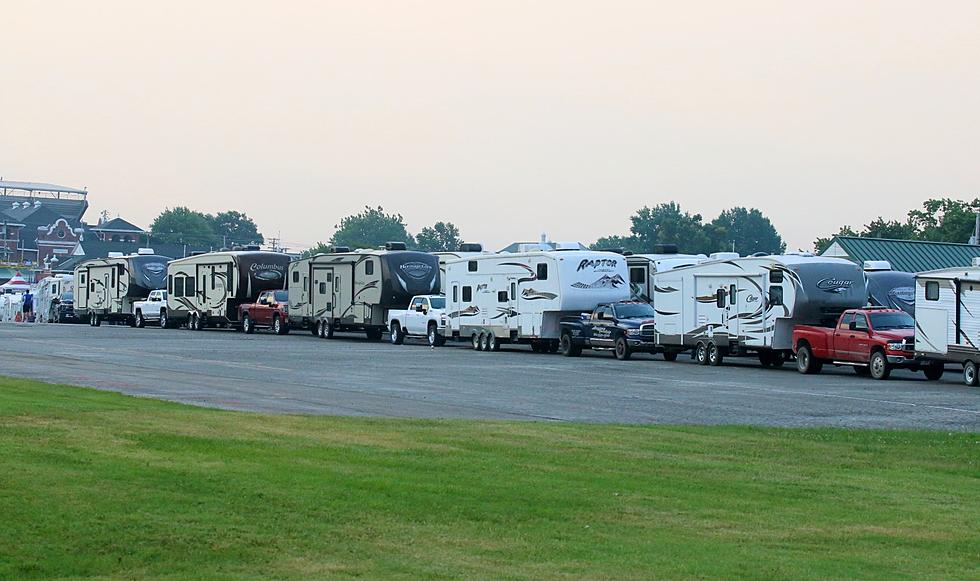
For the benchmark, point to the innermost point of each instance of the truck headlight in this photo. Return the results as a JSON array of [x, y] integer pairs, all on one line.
[[633, 332], [896, 346]]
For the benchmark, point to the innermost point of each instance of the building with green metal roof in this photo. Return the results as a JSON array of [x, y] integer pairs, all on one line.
[[907, 255]]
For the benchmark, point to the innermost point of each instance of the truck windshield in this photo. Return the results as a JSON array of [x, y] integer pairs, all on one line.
[[437, 302], [634, 311], [886, 321], [67, 297]]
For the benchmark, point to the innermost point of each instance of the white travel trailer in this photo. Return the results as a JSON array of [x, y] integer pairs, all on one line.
[[751, 304], [353, 290], [947, 317], [206, 289], [521, 297], [48, 296], [106, 288]]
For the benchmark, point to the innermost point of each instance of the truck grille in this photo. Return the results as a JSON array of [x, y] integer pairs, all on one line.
[[646, 331]]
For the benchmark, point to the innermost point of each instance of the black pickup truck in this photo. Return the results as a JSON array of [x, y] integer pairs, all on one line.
[[623, 328]]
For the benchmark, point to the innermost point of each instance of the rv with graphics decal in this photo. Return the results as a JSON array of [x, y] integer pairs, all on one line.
[[353, 290], [894, 289], [947, 318], [107, 288], [466, 250], [664, 257], [750, 305], [206, 289], [521, 297]]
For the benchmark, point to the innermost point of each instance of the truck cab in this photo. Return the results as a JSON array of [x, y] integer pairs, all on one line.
[[873, 341], [424, 317], [149, 310], [269, 311], [624, 328]]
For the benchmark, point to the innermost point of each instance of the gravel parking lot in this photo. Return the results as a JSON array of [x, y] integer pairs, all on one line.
[[352, 376]]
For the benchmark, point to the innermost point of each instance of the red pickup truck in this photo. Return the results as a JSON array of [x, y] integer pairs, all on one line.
[[270, 311], [872, 340]]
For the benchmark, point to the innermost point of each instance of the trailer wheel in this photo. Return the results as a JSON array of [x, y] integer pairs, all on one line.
[[622, 349], [670, 355], [328, 332], [552, 346], [484, 342], [970, 374], [475, 341], [247, 326], [492, 343], [715, 356], [140, 321], [321, 329], [396, 335], [567, 347], [96, 321], [435, 339], [806, 363], [934, 372], [701, 354], [315, 329], [880, 369]]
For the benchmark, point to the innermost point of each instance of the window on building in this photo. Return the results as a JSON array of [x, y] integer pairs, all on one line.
[[932, 290], [543, 271], [467, 294]]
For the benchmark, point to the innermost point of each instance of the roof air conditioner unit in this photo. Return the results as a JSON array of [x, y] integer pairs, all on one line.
[[145, 251], [876, 265], [339, 249], [665, 249], [471, 247], [395, 246], [116, 255], [724, 255]]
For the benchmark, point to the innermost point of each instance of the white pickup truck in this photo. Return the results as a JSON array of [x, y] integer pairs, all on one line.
[[425, 317], [151, 309]]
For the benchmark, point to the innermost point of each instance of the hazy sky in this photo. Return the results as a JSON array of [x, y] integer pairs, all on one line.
[[507, 118]]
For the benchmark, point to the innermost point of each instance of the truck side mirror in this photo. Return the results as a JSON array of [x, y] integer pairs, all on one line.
[[852, 326]]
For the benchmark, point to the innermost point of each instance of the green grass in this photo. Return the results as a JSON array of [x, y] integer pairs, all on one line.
[[95, 484]]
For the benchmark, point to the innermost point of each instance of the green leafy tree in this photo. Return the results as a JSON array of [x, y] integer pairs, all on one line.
[[370, 229], [881, 228], [627, 243], [441, 236], [747, 230], [821, 244], [233, 227], [667, 224], [318, 248], [182, 225], [945, 220]]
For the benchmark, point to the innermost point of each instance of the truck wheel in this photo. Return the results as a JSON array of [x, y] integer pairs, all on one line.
[[247, 326], [435, 339], [492, 343], [806, 363], [970, 374], [934, 372], [701, 354], [622, 349], [397, 337], [880, 369], [164, 320], [715, 356], [140, 321], [670, 355], [278, 326], [567, 346]]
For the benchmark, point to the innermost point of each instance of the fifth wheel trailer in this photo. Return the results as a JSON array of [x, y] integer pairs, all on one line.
[[947, 318], [742, 305], [353, 290], [206, 289], [106, 288], [521, 297]]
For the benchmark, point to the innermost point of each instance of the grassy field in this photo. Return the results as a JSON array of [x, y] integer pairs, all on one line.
[[99, 484]]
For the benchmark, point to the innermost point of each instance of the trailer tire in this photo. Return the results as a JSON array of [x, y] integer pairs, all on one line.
[[970, 374], [395, 334], [248, 327], [670, 355], [484, 342], [315, 329], [329, 329], [492, 343], [806, 363], [715, 356], [934, 372], [701, 354], [622, 349], [140, 321], [432, 334], [552, 346], [96, 321], [475, 341], [567, 346], [879, 366], [321, 329]]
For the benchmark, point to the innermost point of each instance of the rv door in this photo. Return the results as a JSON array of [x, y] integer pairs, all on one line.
[[322, 295]]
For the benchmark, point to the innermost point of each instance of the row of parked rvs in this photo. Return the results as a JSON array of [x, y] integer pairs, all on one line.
[[714, 306]]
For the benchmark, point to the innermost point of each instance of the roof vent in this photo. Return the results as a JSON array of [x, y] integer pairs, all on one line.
[[339, 249], [116, 255], [251, 247], [876, 265], [471, 247], [665, 249], [198, 252], [758, 254], [395, 246], [976, 261], [145, 251], [725, 255], [614, 250]]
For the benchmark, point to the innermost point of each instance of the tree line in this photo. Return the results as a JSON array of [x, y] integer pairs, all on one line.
[[182, 225]]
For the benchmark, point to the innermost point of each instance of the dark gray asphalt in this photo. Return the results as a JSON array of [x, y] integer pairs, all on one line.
[[351, 376]]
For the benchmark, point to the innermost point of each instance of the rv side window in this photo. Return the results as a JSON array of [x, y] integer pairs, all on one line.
[[732, 293], [776, 296], [83, 278], [369, 267], [323, 288], [543, 271], [113, 276], [637, 276], [190, 286], [513, 291], [720, 298], [471, 266], [776, 277], [932, 290], [502, 296], [455, 293], [467, 294], [214, 280], [329, 277], [91, 287], [295, 276], [179, 286], [170, 284]]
